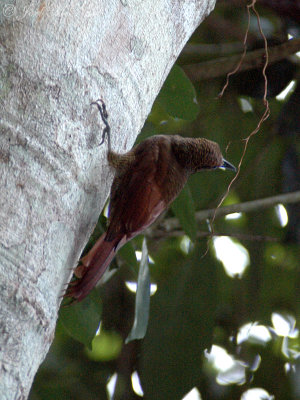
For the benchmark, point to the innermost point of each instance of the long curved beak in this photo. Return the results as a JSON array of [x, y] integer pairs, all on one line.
[[228, 165]]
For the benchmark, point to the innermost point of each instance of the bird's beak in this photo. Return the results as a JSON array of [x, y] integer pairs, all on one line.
[[228, 165]]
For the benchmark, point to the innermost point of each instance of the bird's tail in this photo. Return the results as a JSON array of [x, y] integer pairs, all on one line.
[[94, 264]]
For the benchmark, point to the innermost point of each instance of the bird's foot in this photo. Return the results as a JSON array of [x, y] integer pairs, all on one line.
[[104, 115]]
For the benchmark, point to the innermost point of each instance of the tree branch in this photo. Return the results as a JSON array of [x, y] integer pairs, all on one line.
[[158, 234], [253, 59], [171, 224]]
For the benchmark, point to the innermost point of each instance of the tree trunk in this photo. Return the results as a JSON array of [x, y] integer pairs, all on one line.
[[56, 58]]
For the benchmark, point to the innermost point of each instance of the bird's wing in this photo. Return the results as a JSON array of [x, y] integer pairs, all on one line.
[[136, 199]]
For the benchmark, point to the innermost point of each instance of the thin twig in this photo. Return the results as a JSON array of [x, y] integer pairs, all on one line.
[[238, 66], [249, 206], [158, 234], [263, 117]]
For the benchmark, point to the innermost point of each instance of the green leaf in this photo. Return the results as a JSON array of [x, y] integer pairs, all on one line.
[[180, 328], [184, 209], [142, 299], [178, 95], [148, 130], [81, 320]]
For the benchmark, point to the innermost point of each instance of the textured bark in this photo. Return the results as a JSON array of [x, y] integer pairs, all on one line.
[[57, 57]]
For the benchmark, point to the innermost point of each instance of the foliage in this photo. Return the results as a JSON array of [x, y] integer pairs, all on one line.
[[198, 303]]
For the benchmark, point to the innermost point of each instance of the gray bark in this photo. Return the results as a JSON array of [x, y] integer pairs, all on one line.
[[57, 57]]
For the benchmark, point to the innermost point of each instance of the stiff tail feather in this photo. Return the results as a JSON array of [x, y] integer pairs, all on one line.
[[95, 262]]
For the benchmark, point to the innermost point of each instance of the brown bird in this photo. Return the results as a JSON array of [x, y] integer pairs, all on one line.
[[147, 179]]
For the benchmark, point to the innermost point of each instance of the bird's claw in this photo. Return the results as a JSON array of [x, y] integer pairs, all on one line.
[[104, 115]]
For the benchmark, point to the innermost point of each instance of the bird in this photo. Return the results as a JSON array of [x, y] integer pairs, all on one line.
[[147, 179]]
